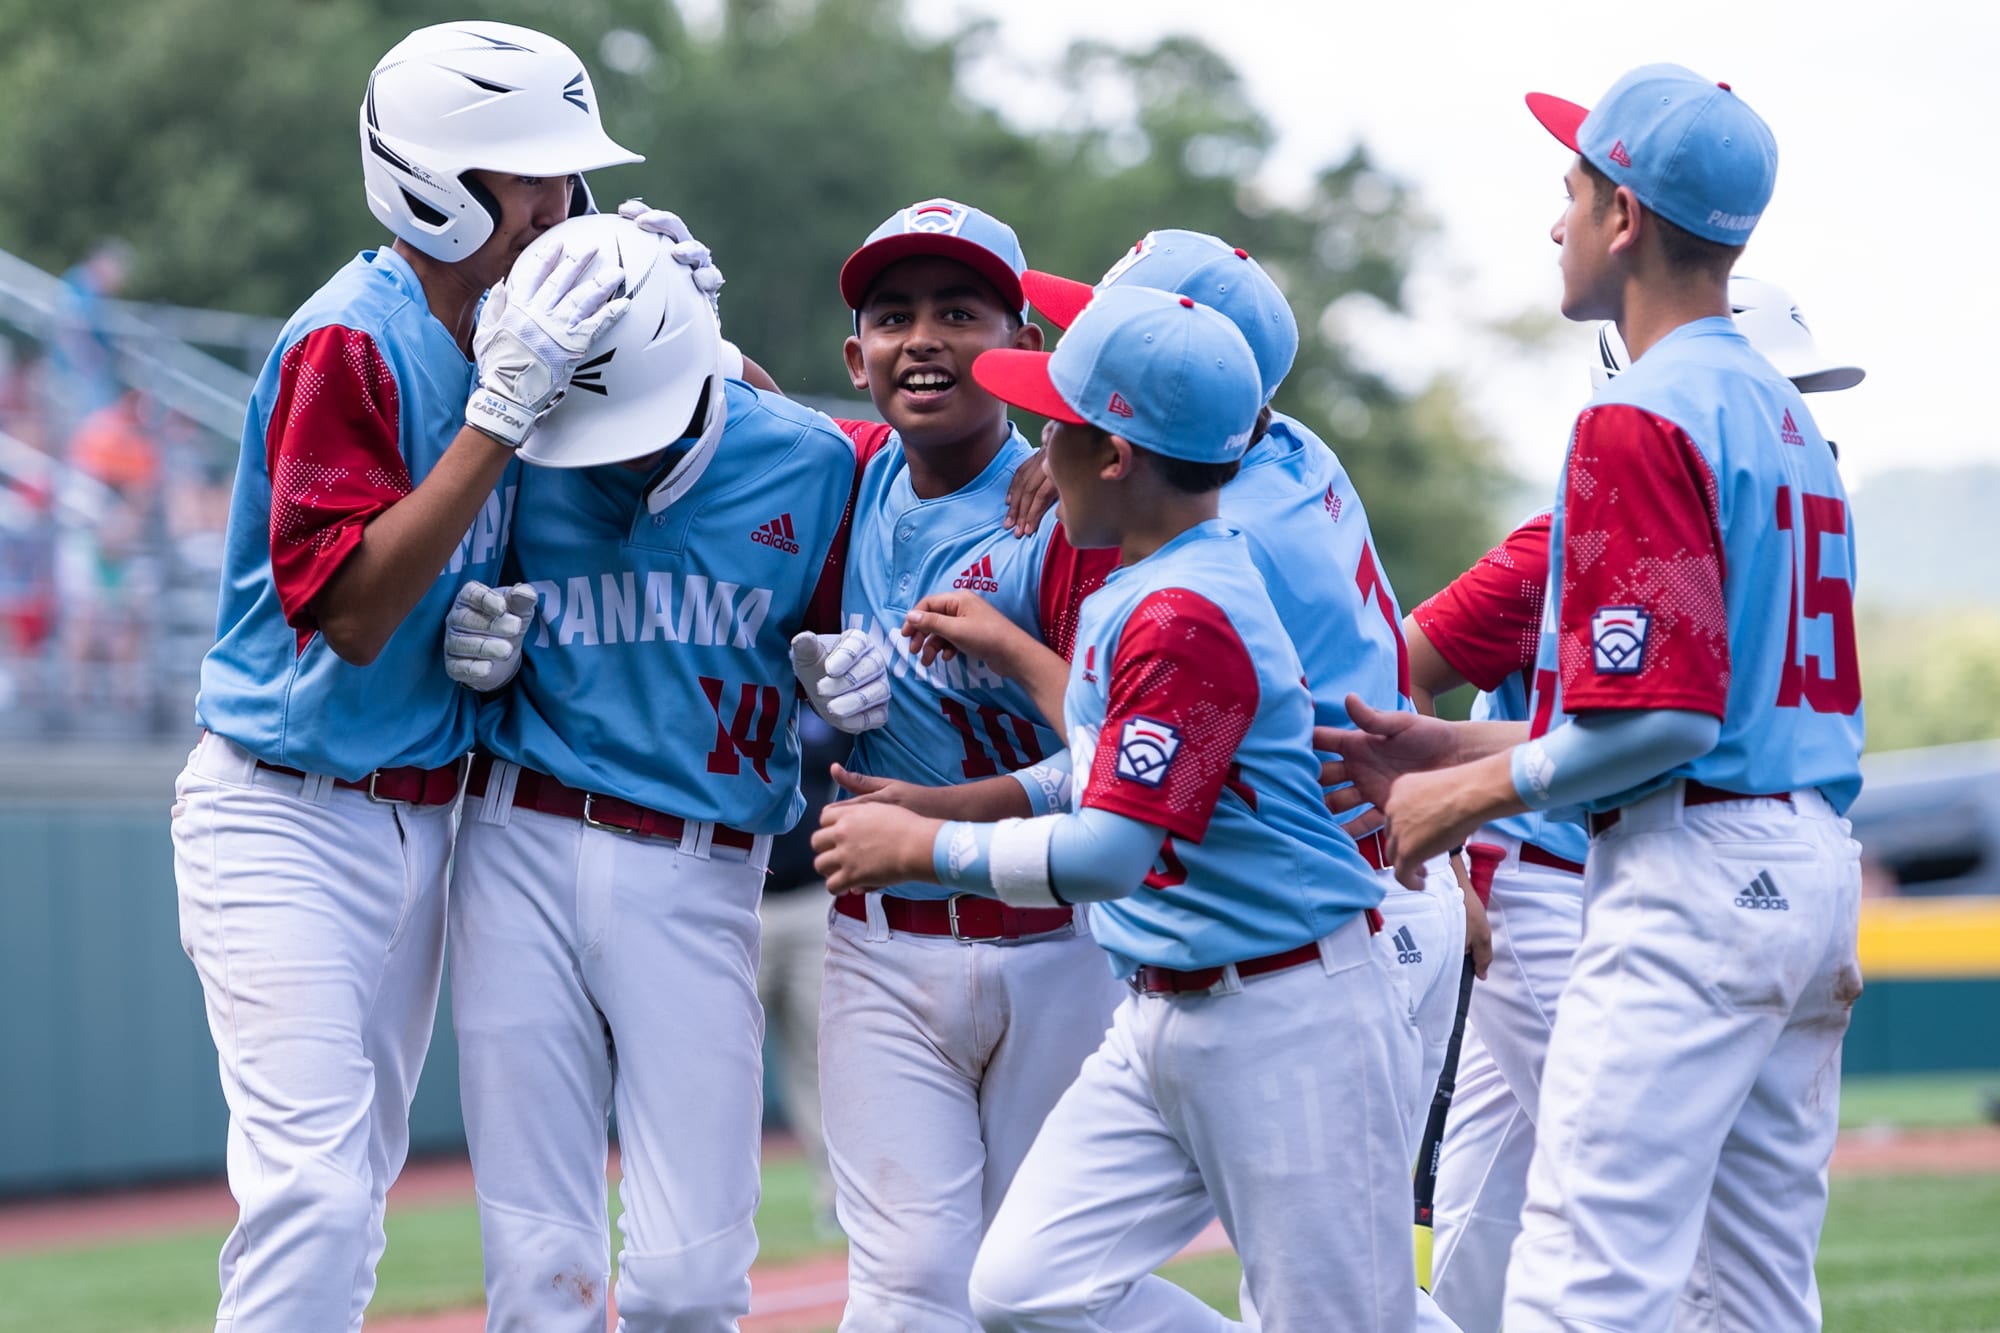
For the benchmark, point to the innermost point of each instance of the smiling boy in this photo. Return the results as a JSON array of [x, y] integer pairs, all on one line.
[[949, 1024]]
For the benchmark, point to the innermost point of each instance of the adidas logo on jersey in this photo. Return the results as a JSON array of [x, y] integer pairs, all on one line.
[[1788, 430], [778, 533], [1761, 895], [1406, 946], [1332, 502], [978, 576]]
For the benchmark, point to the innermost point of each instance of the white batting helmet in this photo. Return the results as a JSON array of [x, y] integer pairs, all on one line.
[[645, 377], [1770, 319], [456, 97]]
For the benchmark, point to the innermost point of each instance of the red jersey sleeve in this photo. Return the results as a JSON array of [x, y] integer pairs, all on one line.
[[1183, 693], [823, 611], [1487, 622], [1069, 576], [1643, 623], [870, 437], [334, 460]]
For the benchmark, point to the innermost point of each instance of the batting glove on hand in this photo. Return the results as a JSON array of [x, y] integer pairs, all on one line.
[[483, 634], [533, 330], [686, 250], [846, 679]]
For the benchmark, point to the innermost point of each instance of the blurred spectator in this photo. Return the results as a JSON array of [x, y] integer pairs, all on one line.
[[794, 953], [83, 356], [107, 567]]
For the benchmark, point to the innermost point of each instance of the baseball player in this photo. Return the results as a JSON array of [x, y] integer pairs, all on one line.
[[1259, 1064], [634, 761], [1696, 696], [949, 1022], [1484, 629], [1308, 536], [313, 821]]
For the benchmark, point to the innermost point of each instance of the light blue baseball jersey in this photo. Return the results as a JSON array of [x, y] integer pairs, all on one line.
[[362, 395], [1486, 624], [1702, 558], [957, 720], [1188, 712], [659, 667], [1308, 536]]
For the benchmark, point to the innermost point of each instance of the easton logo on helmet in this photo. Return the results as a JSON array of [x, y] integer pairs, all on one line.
[[778, 534], [589, 376], [573, 92], [978, 576]]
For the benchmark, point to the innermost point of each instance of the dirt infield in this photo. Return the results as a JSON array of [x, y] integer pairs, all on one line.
[[1973, 1149]]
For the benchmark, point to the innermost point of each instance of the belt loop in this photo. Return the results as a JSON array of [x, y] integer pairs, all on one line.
[[878, 918], [497, 805], [697, 838], [314, 788], [1080, 919], [1231, 983]]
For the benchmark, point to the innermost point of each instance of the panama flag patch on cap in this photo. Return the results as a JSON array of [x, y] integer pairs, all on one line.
[[1618, 640], [1145, 748]]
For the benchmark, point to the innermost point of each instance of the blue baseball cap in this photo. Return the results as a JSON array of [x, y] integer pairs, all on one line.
[[948, 229], [1190, 263], [1165, 372], [1691, 150]]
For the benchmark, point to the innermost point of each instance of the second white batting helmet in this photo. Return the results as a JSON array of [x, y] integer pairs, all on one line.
[[653, 376], [1770, 319], [458, 97]]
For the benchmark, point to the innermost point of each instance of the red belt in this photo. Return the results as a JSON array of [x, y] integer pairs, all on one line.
[[1150, 980], [1697, 793], [539, 791], [1485, 859], [965, 917], [407, 786], [1375, 850]]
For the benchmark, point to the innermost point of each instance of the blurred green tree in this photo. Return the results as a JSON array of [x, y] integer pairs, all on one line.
[[218, 138]]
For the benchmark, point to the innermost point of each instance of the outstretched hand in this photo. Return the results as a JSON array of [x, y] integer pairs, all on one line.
[[1381, 747], [863, 845], [947, 624]]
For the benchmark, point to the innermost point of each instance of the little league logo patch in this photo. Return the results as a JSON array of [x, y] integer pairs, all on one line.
[[1145, 749], [935, 217], [1618, 640]]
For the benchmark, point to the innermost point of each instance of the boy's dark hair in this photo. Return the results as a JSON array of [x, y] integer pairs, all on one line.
[[1682, 249], [1191, 478]]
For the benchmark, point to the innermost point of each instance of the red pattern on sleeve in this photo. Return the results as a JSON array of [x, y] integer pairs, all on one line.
[[1181, 664], [1640, 529], [332, 453], [1069, 576], [870, 438], [1487, 622]]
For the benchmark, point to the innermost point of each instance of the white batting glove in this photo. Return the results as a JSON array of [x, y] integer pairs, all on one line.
[[686, 250], [533, 330], [846, 678], [483, 634]]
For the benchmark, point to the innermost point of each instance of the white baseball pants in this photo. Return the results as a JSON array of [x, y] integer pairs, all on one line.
[[1692, 1088], [594, 970], [938, 1063], [1537, 915], [315, 918], [1423, 941], [1277, 1103]]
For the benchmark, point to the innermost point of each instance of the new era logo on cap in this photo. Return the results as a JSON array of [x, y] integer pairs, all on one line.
[[1619, 155], [778, 534], [1118, 406], [978, 576], [1788, 431]]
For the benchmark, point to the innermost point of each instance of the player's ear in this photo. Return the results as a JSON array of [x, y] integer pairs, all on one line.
[[1117, 461], [857, 370], [1625, 220], [1263, 425], [1029, 336]]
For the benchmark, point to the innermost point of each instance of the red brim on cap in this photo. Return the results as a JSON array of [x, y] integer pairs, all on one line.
[[1558, 117], [865, 265], [1056, 299], [1022, 378]]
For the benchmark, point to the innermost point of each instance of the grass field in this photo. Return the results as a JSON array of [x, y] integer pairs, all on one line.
[[1902, 1254]]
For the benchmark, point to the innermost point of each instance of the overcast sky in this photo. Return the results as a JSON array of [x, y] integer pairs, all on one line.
[[1883, 223]]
